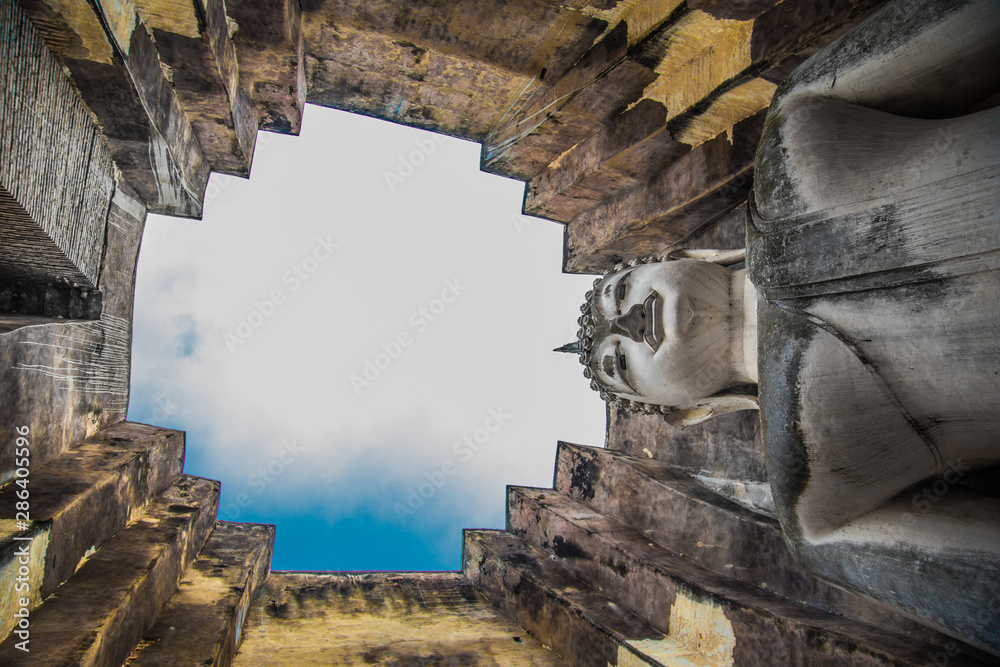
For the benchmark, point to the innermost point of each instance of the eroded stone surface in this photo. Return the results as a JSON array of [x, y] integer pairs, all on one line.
[[714, 615], [67, 381], [203, 622], [581, 624], [383, 618], [101, 613], [112, 475]]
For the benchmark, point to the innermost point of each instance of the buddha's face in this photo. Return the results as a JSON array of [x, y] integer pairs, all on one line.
[[662, 332]]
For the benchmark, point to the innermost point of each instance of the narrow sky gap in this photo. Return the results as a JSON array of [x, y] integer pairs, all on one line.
[[358, 342]]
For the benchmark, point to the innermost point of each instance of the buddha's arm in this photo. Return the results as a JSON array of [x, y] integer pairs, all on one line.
[[887, 112], [919, 58], [914, 551]]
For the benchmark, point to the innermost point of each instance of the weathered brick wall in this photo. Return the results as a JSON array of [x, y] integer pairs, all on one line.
[[383, 618], [56, 176], [455, 68]]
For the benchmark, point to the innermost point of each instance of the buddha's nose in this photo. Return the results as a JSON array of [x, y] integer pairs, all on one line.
[[633, 323]]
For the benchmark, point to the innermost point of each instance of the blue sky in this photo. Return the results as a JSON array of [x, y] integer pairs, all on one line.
[[357, 341]]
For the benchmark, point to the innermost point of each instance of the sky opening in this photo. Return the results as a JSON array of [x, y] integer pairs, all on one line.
[[358, 343]]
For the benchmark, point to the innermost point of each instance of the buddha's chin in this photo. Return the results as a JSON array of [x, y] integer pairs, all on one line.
[[697, 370], [676, 394]]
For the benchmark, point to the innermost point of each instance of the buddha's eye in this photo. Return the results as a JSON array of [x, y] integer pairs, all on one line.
[[620, 290], [622, 367], [622, 363]]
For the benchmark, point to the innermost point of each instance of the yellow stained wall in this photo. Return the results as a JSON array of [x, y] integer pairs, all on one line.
[[384, 619]]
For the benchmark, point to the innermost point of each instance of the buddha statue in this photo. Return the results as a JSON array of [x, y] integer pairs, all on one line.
[[870, 291]]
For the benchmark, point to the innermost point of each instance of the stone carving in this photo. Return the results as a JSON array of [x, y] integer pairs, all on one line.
[[673, 336], [873, 241]]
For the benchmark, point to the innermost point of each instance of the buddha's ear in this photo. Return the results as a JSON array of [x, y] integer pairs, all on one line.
[[723, 257], [713, 406]]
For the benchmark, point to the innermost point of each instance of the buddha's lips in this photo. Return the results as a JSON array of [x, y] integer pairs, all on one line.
[[652, 308]]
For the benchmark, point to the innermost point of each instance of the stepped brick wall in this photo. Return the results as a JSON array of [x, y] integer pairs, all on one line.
[[633, 124]]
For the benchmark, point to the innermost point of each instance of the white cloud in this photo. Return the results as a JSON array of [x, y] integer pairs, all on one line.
[[489, 348]]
